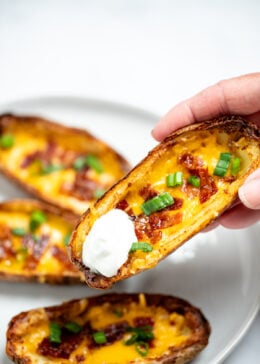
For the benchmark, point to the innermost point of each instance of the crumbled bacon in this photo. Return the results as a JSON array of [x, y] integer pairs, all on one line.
[[207, 185], [6, 246], [35, 249], [147, 192], [123, 205], [62, 256], [190, 161], [163, 220], [143, 321], [113, 332]]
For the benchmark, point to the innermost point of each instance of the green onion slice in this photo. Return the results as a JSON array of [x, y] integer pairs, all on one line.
[[222, 165], [79, 163], [99, 192], [145, 247], [6, 141], [51, 168], [157, 203], [94, 163], [194, 181], [37, 218], [117, 312], [18, 231], [73, 327], [142, 348], [235, 166], [66, 239], [174, 179], [55, 333], [21, 254], [99, 337]]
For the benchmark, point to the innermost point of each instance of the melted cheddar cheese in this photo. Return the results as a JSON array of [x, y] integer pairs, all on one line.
[[170, 330]]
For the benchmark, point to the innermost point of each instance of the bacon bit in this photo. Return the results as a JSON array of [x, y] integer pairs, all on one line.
[[163, 220], [63, 350], [207, 185], [178, 203], [113, 332], [83, 187], [147, 192], [6, 247], [190, 161], [143, 321], [62, 256], [123, 205], [190, 190], [80, 358], [35, 249]]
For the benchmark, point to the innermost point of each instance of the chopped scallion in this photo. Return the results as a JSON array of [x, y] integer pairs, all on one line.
[[157, 203], [94, 163], [235, 166], [6, 141], [118, 312], [18, 231], [194, 181], [99, 337], [51, 168], [79, 163], [145, 247], [222, 165], [37, 218], [73, 327], [142, 348], [174, 179], [66, 239], [99, 192], [55, 333]]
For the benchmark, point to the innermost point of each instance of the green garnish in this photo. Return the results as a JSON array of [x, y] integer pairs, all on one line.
[[174, 179], [90, 161], [6, 141], [18, 231], [99, 337], [145, 247], [99, 192], [142, 348], [94, 163], [235, 166], [66, 239], [118, 312], [222, 165], [55, 333], [21, 254], [51, 168], [37, 218], [140, 337], [157, 203], [73, 327], [194, 181], [79, 163]]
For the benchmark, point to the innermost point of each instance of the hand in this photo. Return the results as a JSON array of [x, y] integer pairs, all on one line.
[[240, 96]]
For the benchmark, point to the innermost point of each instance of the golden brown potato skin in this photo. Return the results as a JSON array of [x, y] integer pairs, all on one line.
[[31, 321], [54, 268], [40, 144], [197, 207]]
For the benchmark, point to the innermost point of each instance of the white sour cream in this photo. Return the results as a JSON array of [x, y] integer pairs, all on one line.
[[108, 243]]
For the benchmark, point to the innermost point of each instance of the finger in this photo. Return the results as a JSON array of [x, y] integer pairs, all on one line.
[[239, 95], [239, 217], [249, 192]]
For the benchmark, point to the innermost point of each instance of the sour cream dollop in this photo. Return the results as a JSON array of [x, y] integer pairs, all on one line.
[[107, 245]]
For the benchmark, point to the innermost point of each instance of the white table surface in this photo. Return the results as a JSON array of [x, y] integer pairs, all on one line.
[[149, 54]]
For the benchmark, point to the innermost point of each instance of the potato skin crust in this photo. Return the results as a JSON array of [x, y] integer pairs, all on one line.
[[230, 125], [75, 139], [70, 219], [20, 324]]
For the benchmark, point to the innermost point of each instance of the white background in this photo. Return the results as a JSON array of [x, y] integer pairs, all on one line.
[[150, 54]]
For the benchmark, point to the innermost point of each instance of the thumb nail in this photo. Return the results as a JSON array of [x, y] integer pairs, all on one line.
[[249, 194]]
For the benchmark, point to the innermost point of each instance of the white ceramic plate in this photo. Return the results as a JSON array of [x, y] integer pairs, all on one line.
[[216, 271]]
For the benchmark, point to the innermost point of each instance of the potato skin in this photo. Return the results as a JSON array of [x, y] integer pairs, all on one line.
[[72, 139], [28, 206], [20, 324], [233, 127]]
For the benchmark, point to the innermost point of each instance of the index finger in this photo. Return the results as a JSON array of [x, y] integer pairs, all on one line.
[[239, 95]]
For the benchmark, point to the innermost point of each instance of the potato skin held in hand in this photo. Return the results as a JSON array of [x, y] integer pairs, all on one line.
[[207, 155]]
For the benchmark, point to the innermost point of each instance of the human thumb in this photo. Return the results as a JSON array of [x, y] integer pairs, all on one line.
[[249, 193]]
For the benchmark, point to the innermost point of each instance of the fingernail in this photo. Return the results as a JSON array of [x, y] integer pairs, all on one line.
[[249, 194]]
